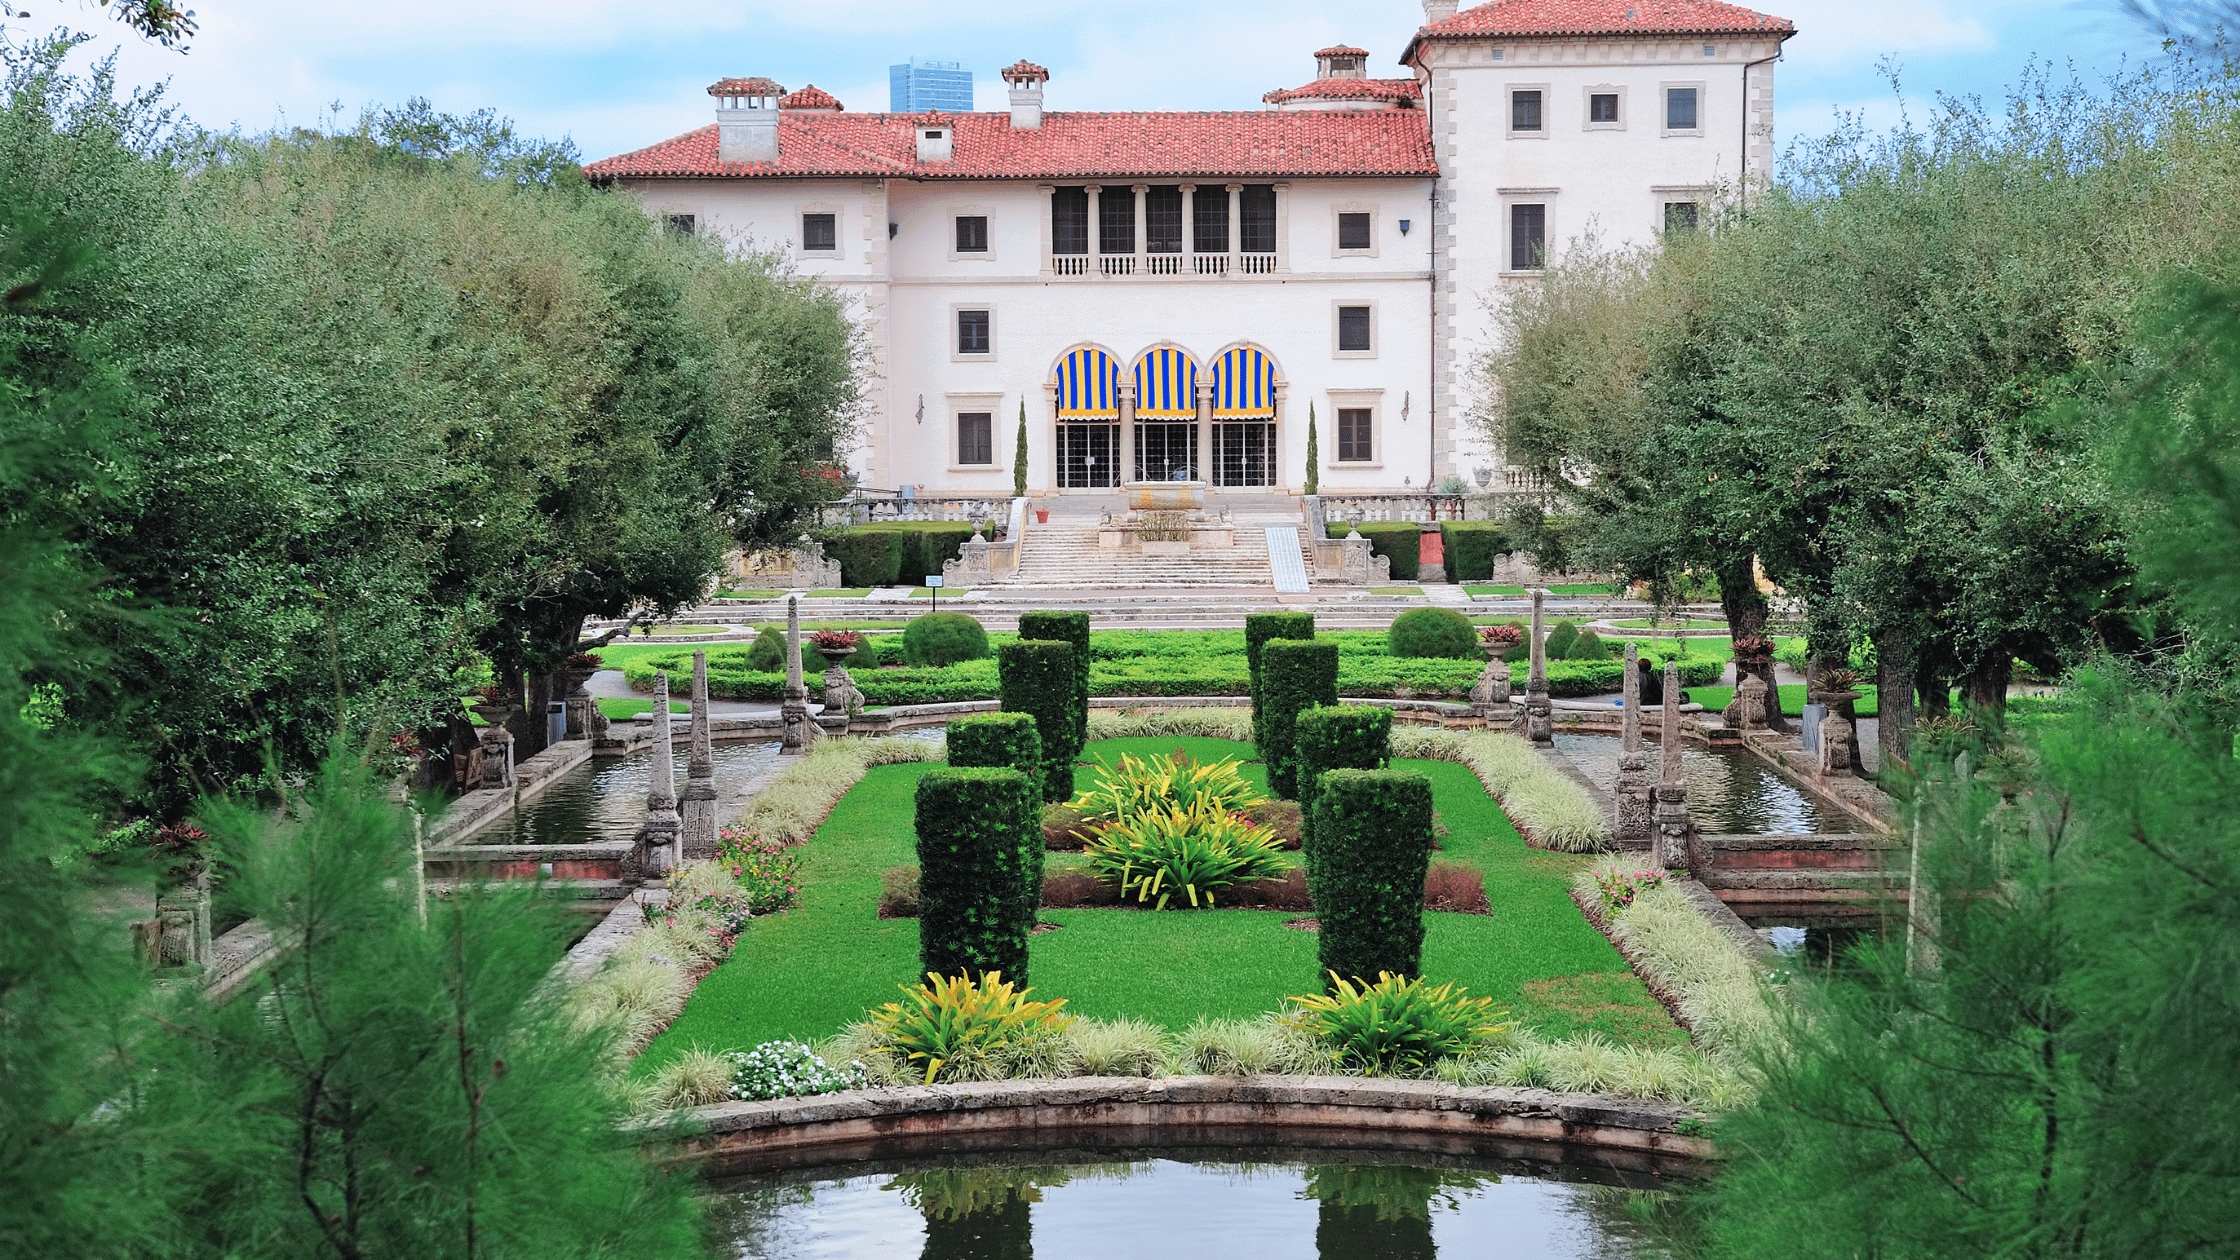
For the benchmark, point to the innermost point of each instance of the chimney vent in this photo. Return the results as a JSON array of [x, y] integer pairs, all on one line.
[[1026, 80], [746, 119], [937, 140], [1438, 10]]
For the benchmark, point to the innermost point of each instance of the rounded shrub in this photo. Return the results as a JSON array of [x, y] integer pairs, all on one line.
[[1587, 647], [768, 654], [1433, 632], [944, 638], [1561, 637]]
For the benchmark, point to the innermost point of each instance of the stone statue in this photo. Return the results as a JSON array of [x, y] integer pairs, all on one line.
[[1747, 711], [1835, 746], [1491, 694], [1674, 831], [1539, 712], [793, 711]]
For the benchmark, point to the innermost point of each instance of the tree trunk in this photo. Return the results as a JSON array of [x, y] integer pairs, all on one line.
[[1745, 607], [1987, 683], [1894, 680]]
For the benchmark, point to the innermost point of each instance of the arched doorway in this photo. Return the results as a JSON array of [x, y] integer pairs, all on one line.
[[1166, 416], [1244, 418], [1085, 387]]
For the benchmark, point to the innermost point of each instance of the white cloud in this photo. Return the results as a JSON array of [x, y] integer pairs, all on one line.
[[1847, 34]]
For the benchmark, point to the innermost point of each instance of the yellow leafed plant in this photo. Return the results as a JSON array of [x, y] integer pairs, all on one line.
[[1132, 787], [1397, 1025], [951, 1015]]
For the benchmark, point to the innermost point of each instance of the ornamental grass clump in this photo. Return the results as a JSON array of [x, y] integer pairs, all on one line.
[[950, 1018], [1718, 988], [1166, 853], [1397, 1026]]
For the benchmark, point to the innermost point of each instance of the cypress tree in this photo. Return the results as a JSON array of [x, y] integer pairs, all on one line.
[[1314, 455], [1019, 460]]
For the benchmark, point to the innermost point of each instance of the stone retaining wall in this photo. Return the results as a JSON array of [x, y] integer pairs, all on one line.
[[1239, 1109]]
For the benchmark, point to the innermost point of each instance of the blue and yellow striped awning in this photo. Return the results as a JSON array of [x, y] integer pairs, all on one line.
[[1089, 385], [1244, 384], [1166, 386]]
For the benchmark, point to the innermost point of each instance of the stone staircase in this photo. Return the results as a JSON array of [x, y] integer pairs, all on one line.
[[1066, 555]]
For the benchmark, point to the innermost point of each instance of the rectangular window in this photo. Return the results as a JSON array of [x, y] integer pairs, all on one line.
[[1256, 219], [1679, 216], [681, 224], [1353, 328], [1524, 110], [976, 437], [972, 332], [1680, 109], [1353, 231], [1210, 209], [1162, 221], [1353, 436], [1602, 107], [1116, 221], [820, 231], [1528, 237], [1069, 220], [972, 234]]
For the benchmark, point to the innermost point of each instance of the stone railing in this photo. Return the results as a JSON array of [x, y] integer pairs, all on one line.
[[1422, 508], [980, 562], [864, 507]]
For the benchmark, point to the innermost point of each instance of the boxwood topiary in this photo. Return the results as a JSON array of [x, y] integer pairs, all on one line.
[[943, 638], [1006, 739], [1472, 548], [1295, 675], [974, 861], [1434, 632], [1258, 629], [1587, 647], [1066, 627], [1560, 638], [868, 557], [1341, 737], [768, 654], [1037, 678], [1368, 849]]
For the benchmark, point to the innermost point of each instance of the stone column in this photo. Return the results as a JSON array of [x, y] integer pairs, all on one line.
[[1128, 470], [1143, 225], [1204, 460], [1096, 228], [1236, 226], [659, 837], [1539, 720], [699, 803], [793, 712], [1189, 228], [1634, 825], [1672, 783]]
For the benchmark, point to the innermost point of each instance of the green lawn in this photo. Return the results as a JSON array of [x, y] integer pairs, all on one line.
[[805, 973], [1643, 623], [748, 594], [1474, 589], [1396, 590], [1586, 588], [624, 708], [845, 592]]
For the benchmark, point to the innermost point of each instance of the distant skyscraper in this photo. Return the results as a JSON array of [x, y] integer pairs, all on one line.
[[918, 85]]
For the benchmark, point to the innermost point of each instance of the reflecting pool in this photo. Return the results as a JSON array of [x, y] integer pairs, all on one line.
[[1730, 792], [1228, 1204]]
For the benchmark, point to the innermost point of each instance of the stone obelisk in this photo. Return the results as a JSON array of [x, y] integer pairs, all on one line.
[[663, 827], [1672, 783], [1538, 719], [793, 712], [1634, 825], [699, 803]]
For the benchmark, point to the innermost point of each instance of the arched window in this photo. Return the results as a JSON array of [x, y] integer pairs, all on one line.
[[1244, 414], [1086, 385], [1166, 435]]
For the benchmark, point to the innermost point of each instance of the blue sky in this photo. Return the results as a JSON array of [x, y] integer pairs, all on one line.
[[619, 74]]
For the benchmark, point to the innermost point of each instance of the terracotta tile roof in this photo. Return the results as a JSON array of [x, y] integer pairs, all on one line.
[[1601, 17], [1342, 50], [1260, 144], [810, 97], [1023, 69], [1404, 91], [756, 86]]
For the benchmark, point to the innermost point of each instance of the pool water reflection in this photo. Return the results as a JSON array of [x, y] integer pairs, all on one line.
[[1730, 792], [1331, 1206]]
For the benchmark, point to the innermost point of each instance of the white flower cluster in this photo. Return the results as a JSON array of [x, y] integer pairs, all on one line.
[[789, 1069]]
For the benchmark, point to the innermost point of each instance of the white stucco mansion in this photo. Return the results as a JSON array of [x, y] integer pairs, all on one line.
[[1166, 294]]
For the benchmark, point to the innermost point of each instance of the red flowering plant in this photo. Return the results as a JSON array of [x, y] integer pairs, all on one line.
[[1500, 638], [1619, 888], [769, 874], [835, 640], [584, 660], [828, 480], [1753, 647]]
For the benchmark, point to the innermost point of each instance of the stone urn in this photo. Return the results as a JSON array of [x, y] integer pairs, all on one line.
[[835, 658], [494, 715]]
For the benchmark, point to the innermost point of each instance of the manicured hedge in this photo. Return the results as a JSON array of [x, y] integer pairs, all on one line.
[[1397, 541], [1368, 848], [975, 862], [1066, 627], [1005, 739], [1472, 547], [1037, 678], [1340, 737], [1440, 633], [1295, 675], [943, 638], [1148, 663], [867, 556], [1258, 629]]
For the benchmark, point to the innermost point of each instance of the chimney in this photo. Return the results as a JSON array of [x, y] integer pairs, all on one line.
[[937, 140], [1026, 80], [1438, 10], [746, 119]]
